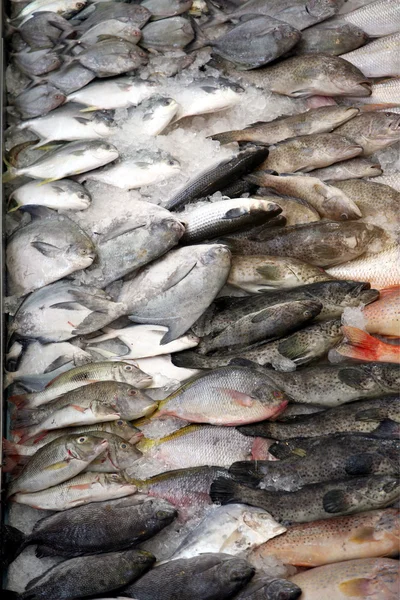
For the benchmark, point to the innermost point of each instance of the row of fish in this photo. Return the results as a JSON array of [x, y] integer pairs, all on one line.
[[202, 355]]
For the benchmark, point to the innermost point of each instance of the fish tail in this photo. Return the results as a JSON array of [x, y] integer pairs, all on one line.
[[217, 16], [23, 433], [359, 344], [225, 491], [19, 400], [11, 172], [246, 472], [26, 417], [13, 541], [226, 137]]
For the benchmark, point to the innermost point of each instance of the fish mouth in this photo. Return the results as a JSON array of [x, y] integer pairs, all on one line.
[[365, 85]]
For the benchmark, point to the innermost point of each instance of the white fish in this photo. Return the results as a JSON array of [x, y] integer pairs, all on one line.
[[65, 8], [233, 529], [378, 18], [206, 95], [380, 58], [63, 194], [153, 115], [120, 92], [163, 372]]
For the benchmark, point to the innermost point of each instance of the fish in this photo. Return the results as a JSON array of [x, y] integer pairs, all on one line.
[[207, 95], [263, 273], [196, 446], [355, 168], [144, 168], [113, 56], [217, 177], [378, 58], [119, 456], [375, 200], [371, 268], [69, 124], [373, 131], [45, 29], [37, 62], [365, 535], [65, 8], [68, 78], [362, 346], [383, 317], [366, 578], [304, 153], [332, 38], [322, 244], [270, 587], [311, 342], [134, 13], [219, 218], [310, 75], [318, 120], [128, 521], [391, 179], [53, 245], [229, 529], [37, 101], [227, 396], [58, 461], [206, 576], [333, 385], [82, 489], [167, 34], [119, 28], [120, 92], [76, 577], [337, 457], [70, 159], [63, 194], [315, 501], [63, 306], [376, 19], [327, 200], [161, 9], [363, 416], [154, 115], [83, 375]]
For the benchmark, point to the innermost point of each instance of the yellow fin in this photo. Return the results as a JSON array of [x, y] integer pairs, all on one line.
[[89, 109], [47, 180], [145, 444], [354, 587], [299, 452], [56, 466], [363, 535]]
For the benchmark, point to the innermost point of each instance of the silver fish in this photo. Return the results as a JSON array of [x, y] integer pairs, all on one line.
[[379, 58], [378, 18], [63, 194], [120, 92]]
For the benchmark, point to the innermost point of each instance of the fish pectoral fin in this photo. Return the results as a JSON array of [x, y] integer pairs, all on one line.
[[57, 363], [270, 272], [364, 535], [359, 464], [355, 588], [57, 466], [264, 314], [294, 347], [234, 213], [82, 120], [89, 109], [119, 230], [353, 377], [47, 250], [335, 501], [179, 274], [66, 306], [239, 397], [372, 414], [78, 408]]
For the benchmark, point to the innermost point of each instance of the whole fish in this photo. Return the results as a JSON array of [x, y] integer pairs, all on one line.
[[143, 168], [37, 101], [217, 177], [315, 501], [376, 201], [316, 74], [363, 416], [332, 38], [45, 29], [55, 245], [229, 529], [125, 30], [36, 62], [132, 13], [270, 587], [318, 120], [81, 376], [383, 317], [219, 218], [366, 535], [70, 159], [68, 78], [323, 244], [154, 115], [161, 9], [227, 396], [391, 179], [65, 8], [355, 168], [373, 131], [113, 56], [79, 577], [63, 194], [195, 446], [68, 123], [379, 18], [336, 457], [362, 346], [82, 489], [167, 34], [256, 274], [106, 526], [382, 269], [338, 384], [367, 578], [205, 577], [64, 305], [304, 153], [378, 58], [58, 461], [120, 92], [327, 200]]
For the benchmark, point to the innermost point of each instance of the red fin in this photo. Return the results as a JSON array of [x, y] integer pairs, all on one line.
[[279, 410], [80, 486], [38, 438], [15, 464], [360, 344], [378, 106], [11, 448], [19, 400], [239, 397], [79, 408], [22, 434]]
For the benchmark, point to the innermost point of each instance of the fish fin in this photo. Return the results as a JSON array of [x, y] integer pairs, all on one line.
[[264, 314], [217, 16], [360, 344], [353, 377], [394, 290], [11, 172], [260, 449], [335, 501], [96, 303], [66, 306], [44, 551], [233, 213], [355, 588], [16, 542], [44, 181], [387, 429], [227, 137], [364, 535], [14, 464], [270, 272], [47, 250], [39, 212], [200, 39], [19, 400], [359, 464], [372, 414], [294, 347], [119, 230], [238, 397], [57, 466], [280, 450], [23, 434], [78, 408], [146, 444], [246, 472], [82, 120], [11, 449], [225, 491], [80, 486], [243, 362], [26, 417], [57, 363]]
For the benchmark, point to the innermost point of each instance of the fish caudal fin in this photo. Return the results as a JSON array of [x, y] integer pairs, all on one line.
[[246, 472], [359, 344], [225, 491]]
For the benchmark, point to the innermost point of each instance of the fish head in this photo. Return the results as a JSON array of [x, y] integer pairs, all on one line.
[[129, 399], [122, 454], [234, 571], [386, 375], [78, 200], [117, 483], [346, 293], [382, 490], [215, 254], [85, 447], [322, 9], [126, 431], [345, 79], [104, 122], [104, 412], [129, 373], [262, 525], [103, 151], [81, 252], [163, 515], [382, 128]]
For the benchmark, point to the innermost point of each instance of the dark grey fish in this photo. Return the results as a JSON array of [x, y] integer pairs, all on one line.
[[112, 57], [68, 78], [218, 177], [203, 577], [312, 342], [331, 38], [38, 101], [364, 416], [37, 62], [162, 9], [314, 501], [133, 13], [45, 29], [167, 34], [263, 587]]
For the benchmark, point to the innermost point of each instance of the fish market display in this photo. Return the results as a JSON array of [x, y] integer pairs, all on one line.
[[202, 298]]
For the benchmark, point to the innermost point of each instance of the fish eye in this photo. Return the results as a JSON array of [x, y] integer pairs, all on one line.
[[81, 195], [132, 392], [83, 251], [161, 514], [128, 368], [344, 217], [171, 162], [114, 477], [120, 422], [123, 446], [82, 440], [307, 313], [80, 5]]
